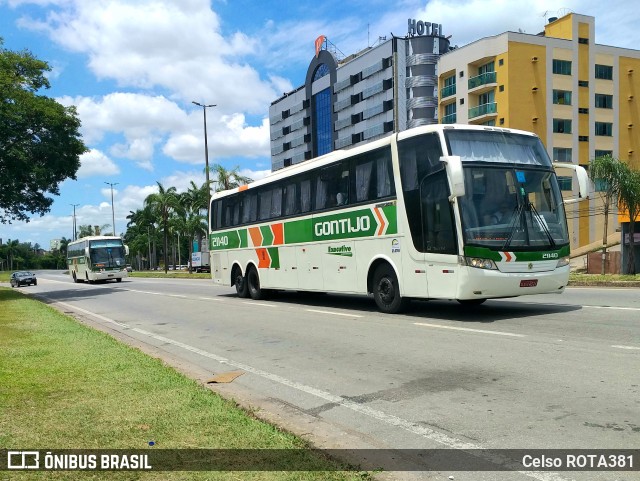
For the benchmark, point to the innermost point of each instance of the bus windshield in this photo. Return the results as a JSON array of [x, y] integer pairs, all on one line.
[[512, 209], [107, 253]]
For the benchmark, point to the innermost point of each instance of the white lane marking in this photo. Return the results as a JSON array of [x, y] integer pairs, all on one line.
[[615, 307], [390, 419], [333, 313], [251, 303], [483, 331], [210, 299], [178, 295], [635, 348]]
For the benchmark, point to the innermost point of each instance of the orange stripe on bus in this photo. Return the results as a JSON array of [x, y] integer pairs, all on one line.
[[278, 234], [381, 219], [264, 260], [256, 236]]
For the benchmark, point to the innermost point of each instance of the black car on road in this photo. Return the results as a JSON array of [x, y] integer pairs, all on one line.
[[23, 278]]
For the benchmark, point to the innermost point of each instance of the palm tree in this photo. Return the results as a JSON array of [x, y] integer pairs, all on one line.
[[607, 171], [228, 179], [195, 225], [629, 200], [163, 203]]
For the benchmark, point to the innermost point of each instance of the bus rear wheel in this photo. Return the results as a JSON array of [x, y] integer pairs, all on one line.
[[253, 284], [240, 282], [386, 290]]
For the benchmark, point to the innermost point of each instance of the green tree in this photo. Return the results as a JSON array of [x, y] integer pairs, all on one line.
[[40, 143], [163, 203], [228, 179], [629, 201], [89, 230], [606, 172]]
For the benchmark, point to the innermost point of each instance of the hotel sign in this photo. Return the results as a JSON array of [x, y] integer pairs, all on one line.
[[423, 28]]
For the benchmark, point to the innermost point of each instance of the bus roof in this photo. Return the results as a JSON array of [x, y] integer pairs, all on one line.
[[340, 154], [95, 237]]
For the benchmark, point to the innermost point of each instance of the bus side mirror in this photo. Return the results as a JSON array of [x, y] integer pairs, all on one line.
[[453, 165], [126, 250], [583, 180]]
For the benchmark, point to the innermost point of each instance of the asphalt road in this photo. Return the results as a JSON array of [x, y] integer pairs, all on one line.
[[538, 372]]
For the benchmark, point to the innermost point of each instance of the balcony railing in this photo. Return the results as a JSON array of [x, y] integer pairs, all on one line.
[[482, 79], [449, 119], [483, 109], [448, 91]]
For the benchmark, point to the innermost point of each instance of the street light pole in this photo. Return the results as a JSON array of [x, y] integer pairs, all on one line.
[[73, 237], [113, 215], [206, 153]]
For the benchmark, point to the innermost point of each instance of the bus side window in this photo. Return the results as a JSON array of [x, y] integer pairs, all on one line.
[[291, 201], [305, 195], [364, 174], [384, 176]]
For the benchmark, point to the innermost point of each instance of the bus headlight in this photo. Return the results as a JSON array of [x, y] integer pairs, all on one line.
[[480, 263], [564, 261]]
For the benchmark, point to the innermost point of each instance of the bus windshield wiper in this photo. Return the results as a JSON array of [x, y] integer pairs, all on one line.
[[541, 222], [513, 225]]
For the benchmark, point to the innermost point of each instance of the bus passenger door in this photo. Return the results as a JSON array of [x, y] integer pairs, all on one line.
[[310, 269], [439, 236], [339, 265]]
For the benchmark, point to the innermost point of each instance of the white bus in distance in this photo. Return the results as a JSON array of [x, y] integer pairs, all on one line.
[[437, 212], [97, 258]]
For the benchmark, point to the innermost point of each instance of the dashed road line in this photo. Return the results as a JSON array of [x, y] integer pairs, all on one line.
[[482, 331], [331, 313]]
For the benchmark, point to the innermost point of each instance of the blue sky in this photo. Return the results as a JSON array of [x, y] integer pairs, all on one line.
[[133, 67]]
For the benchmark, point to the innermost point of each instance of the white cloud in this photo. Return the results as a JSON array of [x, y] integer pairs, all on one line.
[[177, 46], [95, 162]]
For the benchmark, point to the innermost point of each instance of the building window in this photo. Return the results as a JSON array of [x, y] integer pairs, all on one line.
[[320, 72], [501, 62], [603, 153], [604, 101], [323, 130], [604, 129], [583, 138], [565, 183], [562, 154], [583, 40], [562, 67], [562, 97], [461, 74], [562, 126], [583, 83], [583, 110], [604, 72], [501, 88]]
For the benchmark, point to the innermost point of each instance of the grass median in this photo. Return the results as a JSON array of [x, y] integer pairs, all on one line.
[[67, 386]]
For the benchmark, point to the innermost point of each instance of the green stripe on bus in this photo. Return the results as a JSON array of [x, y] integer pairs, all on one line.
[[527, 256], [342, 225], [267, 235], [274, 253]]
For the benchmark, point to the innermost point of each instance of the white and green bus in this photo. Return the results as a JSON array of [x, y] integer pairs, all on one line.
[[97, 258], [437, 212]]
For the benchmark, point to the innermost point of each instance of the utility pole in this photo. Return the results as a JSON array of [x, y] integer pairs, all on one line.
[[206, 154], [113, 216], [75, 230]]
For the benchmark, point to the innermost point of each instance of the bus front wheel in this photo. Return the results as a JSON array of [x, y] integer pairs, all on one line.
[[240, 282], [253, 284], [386, 290]]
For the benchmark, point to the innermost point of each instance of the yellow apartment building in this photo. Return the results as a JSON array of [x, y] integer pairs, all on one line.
[[581, 98]]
